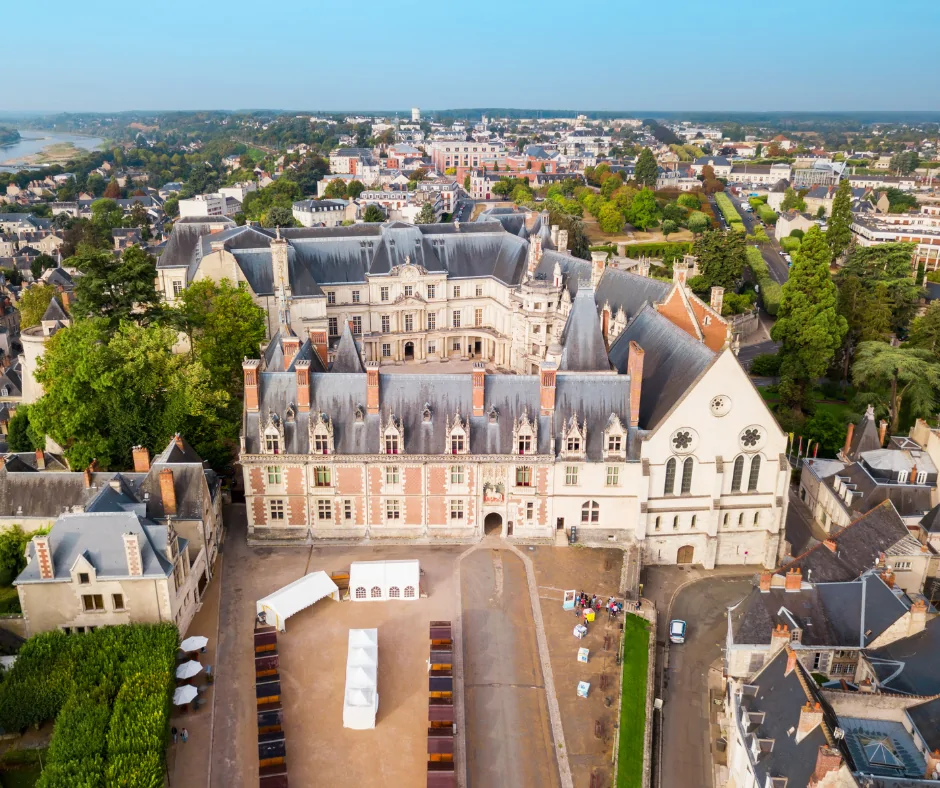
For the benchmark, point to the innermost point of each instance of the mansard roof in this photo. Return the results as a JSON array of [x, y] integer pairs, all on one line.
[[582, 342]]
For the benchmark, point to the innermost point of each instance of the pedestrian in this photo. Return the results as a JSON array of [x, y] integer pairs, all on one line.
[[184, 735], [175, 733]]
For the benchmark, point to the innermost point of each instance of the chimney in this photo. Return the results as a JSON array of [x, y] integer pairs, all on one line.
[[680, 272], [933, 764], [168, 492], [547, 387], [830, 545], [290, 346], [92, 467], [718, 297], [372, 387], [811, 716], [554, 235], [250, 367], [794, 580], [828, 760], [302, 372], [888, 577], [132, 554], [562, 244], [40, 460], [66, 298], [913, 475], [918, 617], [605, 322], [319, 341], [141, 459], [791, 661], [44, 557], [882, 431], [780, 637], [479, 382], [535, 253], [848, 440], [178, 440], [766, 578], [598, 263], [635, 371]]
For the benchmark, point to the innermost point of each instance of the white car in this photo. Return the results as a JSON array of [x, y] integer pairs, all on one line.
[[677, 629]]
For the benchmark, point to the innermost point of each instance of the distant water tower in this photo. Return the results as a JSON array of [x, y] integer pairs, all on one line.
[[415, 114]]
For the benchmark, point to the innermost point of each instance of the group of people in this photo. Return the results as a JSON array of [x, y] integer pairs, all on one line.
[[584, 602], [183, 734]]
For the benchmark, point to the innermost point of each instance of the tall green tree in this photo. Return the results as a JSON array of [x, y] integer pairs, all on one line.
[[20, 434], [373, 214], [867, 314], [839, 232], [888, 266], [792, 200], [925, 330], [609, 218], [895, 376], [426, 214], [808, 326], [115, 288], [33, 303], [644, 211], [646, 170], [721, 257]]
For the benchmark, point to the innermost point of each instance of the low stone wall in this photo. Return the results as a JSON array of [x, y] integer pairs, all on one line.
[[14, 624]]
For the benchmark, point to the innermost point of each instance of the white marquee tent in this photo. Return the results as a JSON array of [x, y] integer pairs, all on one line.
[[373, 581], [296, 596], [361, 698]]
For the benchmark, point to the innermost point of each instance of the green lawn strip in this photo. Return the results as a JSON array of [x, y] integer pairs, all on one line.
[[633, 702]]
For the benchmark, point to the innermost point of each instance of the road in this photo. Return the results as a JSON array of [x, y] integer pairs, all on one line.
[[464, 210], [509, 737], [749, 352], [771, 254], [686, 753]]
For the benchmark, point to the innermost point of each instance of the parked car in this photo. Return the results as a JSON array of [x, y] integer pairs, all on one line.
[[677, 628]]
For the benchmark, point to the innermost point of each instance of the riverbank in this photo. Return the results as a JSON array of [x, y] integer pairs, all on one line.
[[43, 148]]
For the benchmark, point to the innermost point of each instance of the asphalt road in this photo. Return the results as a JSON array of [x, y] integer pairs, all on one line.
[[509, 738], [686, 754], [771, 254], [748, 352], [464, 210]]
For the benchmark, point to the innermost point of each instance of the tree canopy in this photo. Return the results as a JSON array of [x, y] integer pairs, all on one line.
[[897, 376], [115, 288], [721, 257], [373, 214], [886, 269], [33, 302], [646, 170], [839, 232]]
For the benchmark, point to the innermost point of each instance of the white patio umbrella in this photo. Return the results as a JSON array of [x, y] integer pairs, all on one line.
[[183, 695], [194, 643], [188, 669]]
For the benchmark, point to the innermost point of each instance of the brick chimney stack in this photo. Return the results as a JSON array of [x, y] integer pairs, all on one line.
[[319, 341], [830, 545], [635, 371], [791, 661], [780, 637], [766, 578], [718, 297], [794, 580], [302, 372], [141, 459], [828, 760], [479, 384], [250, 368], [372, 388], [848, 439], [290, 347], [811, 716], [882, 431], [132, 554], [547, 375], [40, 460], [43, 551], [168, 492], [918, 617], [89, 471]]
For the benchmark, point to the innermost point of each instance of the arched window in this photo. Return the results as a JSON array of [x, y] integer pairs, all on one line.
[[737, 474], [376, 592], [394, 592], [725, 521], [675, 523], [756, 518], [590, 512], [360, 592], [670, 486], [694, 518], [687, 475], [409, 592], [741, 519], [659, 522], [754, 474]]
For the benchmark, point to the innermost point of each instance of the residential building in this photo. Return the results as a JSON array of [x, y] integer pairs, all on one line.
[[350, 160], [923, 229], [759, 174], [905, 183], [135, 547], [449, 192], [823, 196], [788, 221], [239, 190], [719, 164], [776, 194], [323, 213], [446, 155], [206, 205]]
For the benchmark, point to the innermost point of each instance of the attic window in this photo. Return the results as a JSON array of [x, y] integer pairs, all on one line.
[[494, 416], [358, 415], [427, 413], [289, 415]]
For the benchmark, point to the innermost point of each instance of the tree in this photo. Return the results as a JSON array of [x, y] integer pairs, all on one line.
[[115, 288], [721, 257], [689, 201], [335, 189], [839, 232], [113, 190], [925, 330], [522, 193], [106, 215], [609, 218], [792, 201], [172, 206], [827, 429], [867, 315], [893, 376], [888, 265], [33, 303], [697, 223], [309, 173], [808, 325], [13, 541], [426, 214], [106, 391], [905, 163], [900, 202], [646, 171], [466, 183], [39, 264], [669, 226], [354, 189], [20, 434], [644, 212], [277, 216], [373, 214]]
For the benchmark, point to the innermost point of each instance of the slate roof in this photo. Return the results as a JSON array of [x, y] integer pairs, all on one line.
[[582, 341], [672, 361], [858, 547], [908, 499], [347, 358], [183, 244], [926, 718], [909, 666], [54, 311], [931, 520], [865, 437]]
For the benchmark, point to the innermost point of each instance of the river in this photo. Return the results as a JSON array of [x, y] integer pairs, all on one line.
[[23, 154]]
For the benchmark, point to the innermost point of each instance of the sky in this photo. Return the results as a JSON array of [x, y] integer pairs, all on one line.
[[735, 55]]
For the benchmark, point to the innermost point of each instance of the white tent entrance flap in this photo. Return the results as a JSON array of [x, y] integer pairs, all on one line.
[[293, 598], [361, 699], [375, 581]]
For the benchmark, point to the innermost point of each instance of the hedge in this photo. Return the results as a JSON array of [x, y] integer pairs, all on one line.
[[770, 291], [729, 211], [109, 692], [663, 250], [766, 214]]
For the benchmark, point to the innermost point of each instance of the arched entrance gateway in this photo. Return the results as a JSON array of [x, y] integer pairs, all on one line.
[[409, 351], [685, 554], [493, 524]]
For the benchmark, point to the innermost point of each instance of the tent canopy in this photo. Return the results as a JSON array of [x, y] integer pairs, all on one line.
[[373, 581], [296, 596], [360, 699]]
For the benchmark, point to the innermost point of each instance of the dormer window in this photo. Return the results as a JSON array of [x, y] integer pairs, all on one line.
[[272, 443], [525, 444], [615, 438], [359, 414], [573, 437], [524, 434], [458, 436], [426, 416], [574, 444], [902, 477], [321, 434], [391, 443], [614, 442], [272, 434], [392, 437], [457, 442]]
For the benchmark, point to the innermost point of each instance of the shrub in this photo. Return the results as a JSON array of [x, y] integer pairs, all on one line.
[[689, 201], [766, 365], [770, 291], [789, 244], [666, 251], [766, 214], [796, 234]]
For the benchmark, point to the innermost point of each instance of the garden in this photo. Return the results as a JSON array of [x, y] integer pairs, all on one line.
[[109, 693], [632, 733]]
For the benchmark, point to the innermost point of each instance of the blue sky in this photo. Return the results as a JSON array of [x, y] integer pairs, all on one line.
[[628, 55]]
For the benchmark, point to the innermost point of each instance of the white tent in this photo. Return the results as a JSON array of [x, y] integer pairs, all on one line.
[[373, 581], [295, 597], [361, 699]]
